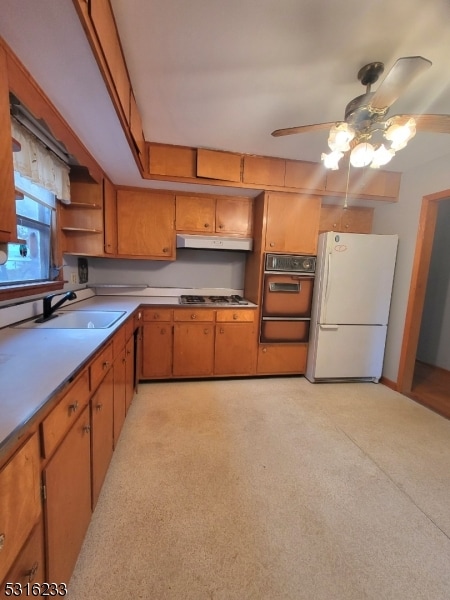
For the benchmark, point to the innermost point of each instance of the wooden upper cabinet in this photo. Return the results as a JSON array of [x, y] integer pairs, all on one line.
[[172, 161], [292, 223], [7, 196], [264, 171], [366, 182], [146, 224], [234, 216], [196, 214], [110, 217], [215, 164], [306, 175], [349, 220]]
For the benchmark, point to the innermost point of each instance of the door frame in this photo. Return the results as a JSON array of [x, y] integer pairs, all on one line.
[[417, 290]]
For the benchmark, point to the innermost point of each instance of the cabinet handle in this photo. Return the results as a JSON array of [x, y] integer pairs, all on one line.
[[86, 429], [222, 330], [272, 244], [106, 364], [193, 316], [206, 225], [124, 360], [163, 331], [73, 407], [235, 317], [264, 349], [99, 407], [220, 226], [156, 316], [31, 573], [2, 540], [206, 331], [139, 316], [165, 250]]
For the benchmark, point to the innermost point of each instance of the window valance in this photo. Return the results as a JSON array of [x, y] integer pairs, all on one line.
[[35, 162]]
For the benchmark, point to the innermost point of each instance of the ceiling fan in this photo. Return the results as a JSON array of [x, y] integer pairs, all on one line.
[[366, 117]]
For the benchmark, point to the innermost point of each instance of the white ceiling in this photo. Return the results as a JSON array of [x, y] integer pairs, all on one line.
[[225, 73]]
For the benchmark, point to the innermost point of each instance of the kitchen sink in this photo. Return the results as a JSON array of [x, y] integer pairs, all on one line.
[[77, 319]]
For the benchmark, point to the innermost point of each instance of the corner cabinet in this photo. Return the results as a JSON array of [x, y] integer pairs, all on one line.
[[146, 224]]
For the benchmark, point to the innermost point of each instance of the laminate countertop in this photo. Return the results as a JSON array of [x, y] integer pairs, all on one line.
[[36, 363]]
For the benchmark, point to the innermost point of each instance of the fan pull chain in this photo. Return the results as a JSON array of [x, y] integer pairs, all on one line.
[[346, 187]]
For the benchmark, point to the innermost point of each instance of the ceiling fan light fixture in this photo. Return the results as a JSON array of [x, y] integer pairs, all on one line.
[[399, 135], [382, 156], [340, 137], [362, 155], [331, 161]]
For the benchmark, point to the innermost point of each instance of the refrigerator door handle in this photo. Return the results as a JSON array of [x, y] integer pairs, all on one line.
[[327, 285], [329, 326]]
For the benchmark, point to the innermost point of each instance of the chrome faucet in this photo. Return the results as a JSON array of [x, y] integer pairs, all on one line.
[[49, 309]]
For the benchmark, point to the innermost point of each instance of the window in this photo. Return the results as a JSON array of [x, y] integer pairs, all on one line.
[[30, 261]]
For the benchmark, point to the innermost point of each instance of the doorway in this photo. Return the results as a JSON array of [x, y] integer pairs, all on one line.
[[427, 385]]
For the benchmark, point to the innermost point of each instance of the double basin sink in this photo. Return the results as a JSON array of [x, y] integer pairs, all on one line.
[[76, 319]]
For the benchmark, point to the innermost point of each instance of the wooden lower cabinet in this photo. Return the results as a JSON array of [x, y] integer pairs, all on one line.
[[282, 359], [157, 350], [102, 424], [193, 349], [67, 480], [234, 349], [129, 372], [29, 567]]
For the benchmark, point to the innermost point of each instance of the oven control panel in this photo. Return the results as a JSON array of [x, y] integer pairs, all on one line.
[[291, 263]]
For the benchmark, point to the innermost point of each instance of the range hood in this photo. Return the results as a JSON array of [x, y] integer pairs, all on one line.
[[214, 242]]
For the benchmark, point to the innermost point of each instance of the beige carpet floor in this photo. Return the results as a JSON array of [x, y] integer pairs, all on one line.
[[272, 489]]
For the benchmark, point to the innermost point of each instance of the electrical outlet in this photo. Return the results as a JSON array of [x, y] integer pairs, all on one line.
[[73, 278]]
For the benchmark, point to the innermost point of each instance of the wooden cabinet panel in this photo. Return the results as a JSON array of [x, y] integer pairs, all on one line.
[[157, 346], [67, 478], [292, 223], [146, 224], [236, 315], [214, 164], [234, 216], [129, 372], [29, 567], [20, 501], [196, 214], [305, 175], [350, 220], [235, 345], [63, 416], [263, 170], [7, 196], [366, 182], [109, 217], [193, 314], [157, 314], [119, 409], [193, 349], [175, 161], [102, 433], [100, 366], [282, 358]]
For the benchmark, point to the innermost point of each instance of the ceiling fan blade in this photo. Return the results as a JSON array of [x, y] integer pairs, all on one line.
[[425, 123], [304, 128], [404, 71]]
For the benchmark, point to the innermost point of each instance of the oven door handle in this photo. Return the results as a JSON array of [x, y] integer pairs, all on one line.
[[293, 288]]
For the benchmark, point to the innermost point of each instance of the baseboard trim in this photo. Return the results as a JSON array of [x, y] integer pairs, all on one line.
[[390, 384]]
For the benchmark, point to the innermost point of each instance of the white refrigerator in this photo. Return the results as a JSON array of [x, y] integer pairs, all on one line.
[[350, 310]]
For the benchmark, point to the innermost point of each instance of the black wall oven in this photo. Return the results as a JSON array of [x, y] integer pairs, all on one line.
[[287, 298]]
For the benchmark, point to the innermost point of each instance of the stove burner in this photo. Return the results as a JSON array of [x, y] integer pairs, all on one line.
[[233, 300]]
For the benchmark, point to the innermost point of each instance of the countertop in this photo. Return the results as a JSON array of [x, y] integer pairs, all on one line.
[[36, 363]]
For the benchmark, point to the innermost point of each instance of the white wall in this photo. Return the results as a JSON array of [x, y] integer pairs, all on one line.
[[434, 345], [403, 218]]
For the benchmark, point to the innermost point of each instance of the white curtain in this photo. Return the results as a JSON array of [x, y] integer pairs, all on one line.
[[35, 162]]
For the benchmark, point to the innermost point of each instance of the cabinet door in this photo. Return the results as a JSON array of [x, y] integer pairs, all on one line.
[[357, 220], [330, 218], [29, 567], [119, 411], [20, 501], [67, 478], [196, 214], [193, 349], [234, 216], [214, 164], [102, 433], [264, 170], [7, 196], [146, 224], [292, 223], [110, 217], [129, 372], [234, 349], [157, 350]]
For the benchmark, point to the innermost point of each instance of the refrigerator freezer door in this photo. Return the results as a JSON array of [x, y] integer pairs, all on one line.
[[357, 272], [346, 352]]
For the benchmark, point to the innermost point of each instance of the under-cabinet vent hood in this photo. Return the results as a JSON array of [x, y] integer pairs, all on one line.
[[214, 242]]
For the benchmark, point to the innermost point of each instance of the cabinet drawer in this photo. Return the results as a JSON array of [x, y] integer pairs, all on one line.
[[157, 314], [20, 502], [279, 358], [190, 314], [64, 415], [243, 315], [101, 365]]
